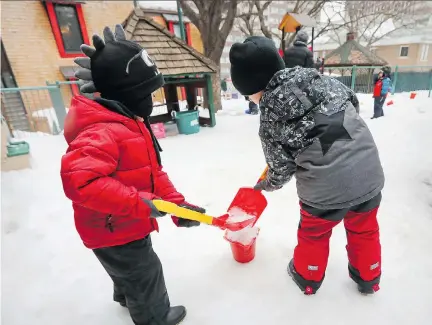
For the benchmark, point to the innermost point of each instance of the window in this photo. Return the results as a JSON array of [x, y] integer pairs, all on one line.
[[424, 52], [68, 25], [403, 51], [174, 27], [177, 32]]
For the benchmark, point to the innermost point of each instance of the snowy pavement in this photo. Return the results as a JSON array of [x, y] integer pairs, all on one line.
[[49, 277]]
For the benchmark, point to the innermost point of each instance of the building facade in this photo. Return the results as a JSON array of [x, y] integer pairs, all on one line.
[[40, 37], [273, 15], [39, 40]]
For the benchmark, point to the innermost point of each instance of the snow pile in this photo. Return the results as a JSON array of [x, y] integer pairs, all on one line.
[[244, 236], [51, 116], [238, 215]]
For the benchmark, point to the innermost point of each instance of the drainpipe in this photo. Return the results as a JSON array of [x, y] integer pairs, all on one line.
[[181, 25]]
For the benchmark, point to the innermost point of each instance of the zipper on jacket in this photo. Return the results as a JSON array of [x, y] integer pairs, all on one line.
[[149, 154], [108, 223]]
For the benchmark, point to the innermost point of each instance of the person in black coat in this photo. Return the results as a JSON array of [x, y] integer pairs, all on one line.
[[299, 54]]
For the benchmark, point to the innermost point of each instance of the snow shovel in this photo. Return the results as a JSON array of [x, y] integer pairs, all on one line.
[[185, 213], [250, 201]]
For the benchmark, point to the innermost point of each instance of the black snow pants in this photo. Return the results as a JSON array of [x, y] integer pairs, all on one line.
[[138, 279], [378, 106]]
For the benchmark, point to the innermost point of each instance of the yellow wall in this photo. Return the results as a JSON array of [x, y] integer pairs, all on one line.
[[196, 39]]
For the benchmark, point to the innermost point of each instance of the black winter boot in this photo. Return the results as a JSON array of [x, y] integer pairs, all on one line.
[[306, 286], [174, 316], [364, 287]]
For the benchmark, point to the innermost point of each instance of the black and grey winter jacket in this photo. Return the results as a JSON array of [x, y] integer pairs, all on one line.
[[310, 127]]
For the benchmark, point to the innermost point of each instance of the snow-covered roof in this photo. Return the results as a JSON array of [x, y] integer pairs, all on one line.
[[423, 38], [166, 5], [401, 37]]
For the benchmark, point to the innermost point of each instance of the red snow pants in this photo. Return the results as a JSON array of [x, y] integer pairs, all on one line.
[[363, 247]]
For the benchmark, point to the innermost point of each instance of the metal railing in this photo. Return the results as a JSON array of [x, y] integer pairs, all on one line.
[[38, 110], [404, 78], [42, 110]]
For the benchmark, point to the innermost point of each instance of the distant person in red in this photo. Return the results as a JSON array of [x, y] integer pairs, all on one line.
[[383, 86], [112, 171]]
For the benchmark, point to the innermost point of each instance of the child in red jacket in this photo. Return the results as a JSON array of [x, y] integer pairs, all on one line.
[[112, 171], [382, 88]]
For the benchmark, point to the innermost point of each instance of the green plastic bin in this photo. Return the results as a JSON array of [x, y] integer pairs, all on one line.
[[18, 149], [187, 121]]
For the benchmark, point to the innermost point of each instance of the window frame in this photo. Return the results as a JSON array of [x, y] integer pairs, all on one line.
[[56, 28], [400, 52], [187, 31], [424, 49]]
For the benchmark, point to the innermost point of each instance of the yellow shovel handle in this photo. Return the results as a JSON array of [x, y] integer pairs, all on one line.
[[184, 213], [263, 175]]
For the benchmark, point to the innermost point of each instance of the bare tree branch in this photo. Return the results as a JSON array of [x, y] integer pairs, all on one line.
[[367, 18], [214, 19], [264, 28]]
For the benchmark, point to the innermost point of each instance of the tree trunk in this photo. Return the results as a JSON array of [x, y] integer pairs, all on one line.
[[215, 55], [216, 85], [214, 19]]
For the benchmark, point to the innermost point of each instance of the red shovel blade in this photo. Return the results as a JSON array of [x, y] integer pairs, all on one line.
[[222, 223], [250, 201]]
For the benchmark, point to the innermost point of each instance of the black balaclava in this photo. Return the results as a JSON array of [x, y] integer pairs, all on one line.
[[123, 71]]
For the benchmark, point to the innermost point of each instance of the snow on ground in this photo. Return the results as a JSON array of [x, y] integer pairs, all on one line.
[[50, 278]]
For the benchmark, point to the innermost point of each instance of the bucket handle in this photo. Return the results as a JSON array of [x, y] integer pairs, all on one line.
[[174, 114]]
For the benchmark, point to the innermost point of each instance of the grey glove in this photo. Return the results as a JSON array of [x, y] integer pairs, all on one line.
[[265, 185], [84, 73], [185, 223], [155, 213]]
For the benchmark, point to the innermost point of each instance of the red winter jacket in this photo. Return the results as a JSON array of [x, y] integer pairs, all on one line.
[[109, 166], [377, 88]]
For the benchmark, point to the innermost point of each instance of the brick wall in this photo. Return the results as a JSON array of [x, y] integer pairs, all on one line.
[[29, 41]]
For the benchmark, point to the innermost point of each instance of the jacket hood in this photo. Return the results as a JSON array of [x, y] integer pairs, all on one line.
[[84, 112], [285, 97], [302, 36], [300, 43]]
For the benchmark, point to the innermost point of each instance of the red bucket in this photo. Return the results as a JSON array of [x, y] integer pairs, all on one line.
[[413, 95], [243, 253]]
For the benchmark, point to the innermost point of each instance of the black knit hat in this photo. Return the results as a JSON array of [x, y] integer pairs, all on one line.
[[253, 63], [123, 71], [386, 70]]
